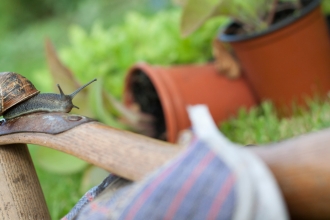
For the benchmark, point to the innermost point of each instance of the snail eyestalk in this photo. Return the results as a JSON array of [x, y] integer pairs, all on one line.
[[61, 92], [78, 90]]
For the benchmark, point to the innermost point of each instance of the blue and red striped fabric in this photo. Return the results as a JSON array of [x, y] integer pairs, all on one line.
[[198, 185], [195, 185]]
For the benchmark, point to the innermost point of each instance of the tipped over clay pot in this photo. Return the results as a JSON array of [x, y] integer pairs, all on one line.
[[165, 93]]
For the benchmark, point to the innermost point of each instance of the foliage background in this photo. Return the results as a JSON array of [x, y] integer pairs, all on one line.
[[103, 38]]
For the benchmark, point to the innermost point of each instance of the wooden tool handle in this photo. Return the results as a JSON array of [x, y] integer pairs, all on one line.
[[302, 169], [127, 154]]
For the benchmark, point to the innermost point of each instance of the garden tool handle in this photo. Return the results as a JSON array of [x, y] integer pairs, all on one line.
[[120, 152], [301, 167]]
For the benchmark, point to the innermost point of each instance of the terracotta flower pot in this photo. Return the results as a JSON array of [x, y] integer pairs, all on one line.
[[288, 62], [165, 92]]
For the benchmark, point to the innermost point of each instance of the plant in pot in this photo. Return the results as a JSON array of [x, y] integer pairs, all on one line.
[[282, 46]]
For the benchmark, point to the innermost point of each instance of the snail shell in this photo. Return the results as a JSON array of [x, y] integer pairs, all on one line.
[[14, 88]]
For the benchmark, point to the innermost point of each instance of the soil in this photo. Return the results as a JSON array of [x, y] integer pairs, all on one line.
[[145, 95], [281, 15]]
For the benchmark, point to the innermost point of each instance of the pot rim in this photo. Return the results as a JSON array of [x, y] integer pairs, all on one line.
[[167, 104], [235, 38]]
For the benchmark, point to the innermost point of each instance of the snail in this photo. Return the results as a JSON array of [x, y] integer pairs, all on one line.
[[19, 97]]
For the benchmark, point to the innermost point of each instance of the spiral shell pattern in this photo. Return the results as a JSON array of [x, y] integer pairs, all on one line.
[[14, 88]]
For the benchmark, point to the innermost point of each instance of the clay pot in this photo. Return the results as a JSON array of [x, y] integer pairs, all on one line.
[[175, 88], [290, 61]]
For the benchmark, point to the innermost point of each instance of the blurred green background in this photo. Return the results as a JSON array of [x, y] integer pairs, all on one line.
[[102, 39], [95, 39]]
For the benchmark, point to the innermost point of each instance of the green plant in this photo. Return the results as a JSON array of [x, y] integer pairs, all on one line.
[[326, 6], [109, 52], [253, 15], [262, 125], [17, 14]]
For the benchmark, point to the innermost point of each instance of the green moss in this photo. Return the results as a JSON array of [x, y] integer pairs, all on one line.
[[262, 125]]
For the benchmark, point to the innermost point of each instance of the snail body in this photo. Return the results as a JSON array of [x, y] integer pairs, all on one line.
[[19, 97]]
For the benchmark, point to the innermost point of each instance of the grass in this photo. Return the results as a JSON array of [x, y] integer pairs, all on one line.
[[61, 191], [262, 125]]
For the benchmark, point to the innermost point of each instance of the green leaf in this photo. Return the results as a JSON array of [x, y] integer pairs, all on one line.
[[195, 13], [63, 76], [97, 103], [326, 6], [60, 73], [252, 14]]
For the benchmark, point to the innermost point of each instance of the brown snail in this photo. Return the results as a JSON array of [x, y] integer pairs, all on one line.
[[19, 97]]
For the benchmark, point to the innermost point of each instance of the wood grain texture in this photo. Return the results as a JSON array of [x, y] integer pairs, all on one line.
[[124, 153], [302, 168], [21, 196]]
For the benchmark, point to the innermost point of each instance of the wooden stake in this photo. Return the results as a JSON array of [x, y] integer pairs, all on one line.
[[21, 195]]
